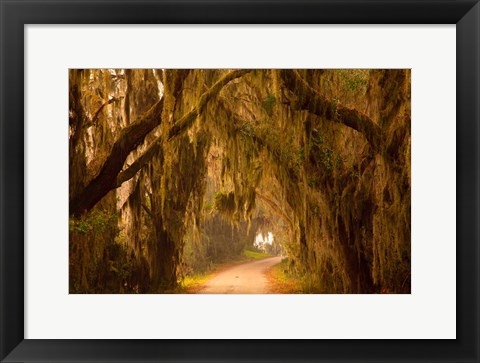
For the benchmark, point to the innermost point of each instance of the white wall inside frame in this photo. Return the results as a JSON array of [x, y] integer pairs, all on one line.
[[429, 312]]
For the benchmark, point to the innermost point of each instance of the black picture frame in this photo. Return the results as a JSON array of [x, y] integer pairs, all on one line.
[[15, 14]]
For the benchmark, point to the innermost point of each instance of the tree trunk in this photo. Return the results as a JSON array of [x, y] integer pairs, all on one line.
[[165, 256], [356, 267]]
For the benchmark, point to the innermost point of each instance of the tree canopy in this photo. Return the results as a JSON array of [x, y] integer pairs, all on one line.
[[167, 166]]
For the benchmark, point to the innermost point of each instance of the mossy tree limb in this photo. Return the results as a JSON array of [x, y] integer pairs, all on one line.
[[302, 96], [125, 175], [130, 137], [187, 120]]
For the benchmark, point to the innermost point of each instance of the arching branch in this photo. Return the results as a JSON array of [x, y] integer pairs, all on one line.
[[275, 208], [130, 137], [302, 96], [97, 113], [111, 175], [178, 128], [142, 160], [187, 120]]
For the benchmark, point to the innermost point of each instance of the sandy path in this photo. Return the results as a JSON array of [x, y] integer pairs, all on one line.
[[247, 278]]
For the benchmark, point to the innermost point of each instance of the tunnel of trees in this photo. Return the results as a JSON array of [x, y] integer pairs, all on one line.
[[172, 169]]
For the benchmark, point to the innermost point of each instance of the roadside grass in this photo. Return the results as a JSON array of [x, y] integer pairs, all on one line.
[[191, 284], [281, 281], [252, 255]]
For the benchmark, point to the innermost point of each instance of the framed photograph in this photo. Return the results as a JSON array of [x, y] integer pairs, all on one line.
[[239, 181]]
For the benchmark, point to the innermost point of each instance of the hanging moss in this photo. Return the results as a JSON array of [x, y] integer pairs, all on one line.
[[328, 151]]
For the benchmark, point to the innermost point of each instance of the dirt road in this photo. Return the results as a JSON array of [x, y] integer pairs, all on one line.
[[247, 278]]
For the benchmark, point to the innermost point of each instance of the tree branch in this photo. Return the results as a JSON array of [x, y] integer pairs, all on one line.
[[187, 120], [95, 117], [304, 97], [148, 211], [275, 207], [130, 137], [111, 175], [178, 128], [142, 160]]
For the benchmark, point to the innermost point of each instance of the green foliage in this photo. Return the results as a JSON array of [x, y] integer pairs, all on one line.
[[301, 155], [119, 263], [97, 221], [313, 181], [255, 255], [327, 159], [316, 138], [284, 281], [355, 80], [207, 206], [268, 103]]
